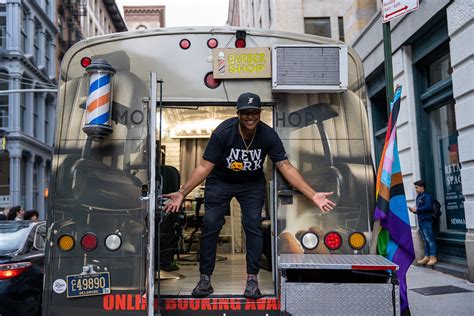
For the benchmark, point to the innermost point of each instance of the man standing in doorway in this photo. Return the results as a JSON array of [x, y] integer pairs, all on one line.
[[233, 167], [424, 210]]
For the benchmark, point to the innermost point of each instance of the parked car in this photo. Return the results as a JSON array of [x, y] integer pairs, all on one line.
[[22, 245]]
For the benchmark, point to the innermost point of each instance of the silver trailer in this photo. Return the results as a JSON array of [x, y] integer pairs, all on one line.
[[135, 110]]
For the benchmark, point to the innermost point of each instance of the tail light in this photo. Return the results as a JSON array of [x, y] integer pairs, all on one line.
[[240, 43], [184, 44], [11, 270], [333, 240], [89, 242], [86, 61], [210, 81], [212, 43], [357, 240]]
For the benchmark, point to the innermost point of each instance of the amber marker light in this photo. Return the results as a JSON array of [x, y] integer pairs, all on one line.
[[66, 242], [357, 240]]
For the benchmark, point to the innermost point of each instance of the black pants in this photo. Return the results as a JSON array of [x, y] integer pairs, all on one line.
[[217, 198]]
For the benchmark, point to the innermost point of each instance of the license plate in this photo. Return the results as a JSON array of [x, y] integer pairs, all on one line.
[[79, 285]]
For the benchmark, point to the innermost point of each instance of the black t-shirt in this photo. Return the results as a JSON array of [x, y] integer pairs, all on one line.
[[233, 162]]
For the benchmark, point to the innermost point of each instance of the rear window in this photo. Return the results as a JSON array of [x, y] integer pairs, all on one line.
[[12, 237]]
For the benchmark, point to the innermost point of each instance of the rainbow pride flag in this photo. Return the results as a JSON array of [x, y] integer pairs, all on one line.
[[394, 239]]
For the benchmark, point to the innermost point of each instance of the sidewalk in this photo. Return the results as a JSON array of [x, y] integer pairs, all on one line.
[[442, 304]]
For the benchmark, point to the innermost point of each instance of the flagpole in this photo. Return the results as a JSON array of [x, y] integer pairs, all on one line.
[[387, 49]]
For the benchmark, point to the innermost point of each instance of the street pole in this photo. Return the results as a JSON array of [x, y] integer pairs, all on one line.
[[387, 49]]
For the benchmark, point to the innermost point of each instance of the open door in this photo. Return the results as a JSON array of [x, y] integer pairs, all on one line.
[[152, 195]]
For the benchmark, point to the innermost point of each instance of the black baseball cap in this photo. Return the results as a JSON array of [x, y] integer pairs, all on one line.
[[248, 100]]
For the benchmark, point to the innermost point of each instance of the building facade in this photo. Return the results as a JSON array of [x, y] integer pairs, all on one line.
[[144, 17], [436, 123], [31, 51], [27, 111], [99, 17]]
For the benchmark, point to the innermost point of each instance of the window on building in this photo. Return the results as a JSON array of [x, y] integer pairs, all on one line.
[[35, 114], [35, 184], [22, 108], [3, 100], [36, 43], [23, 163], [4, 179], [318, 26], [340, 22], [438, 70], [24, 31], [46, 121], [3, 26], [48, 54], [48, 7]]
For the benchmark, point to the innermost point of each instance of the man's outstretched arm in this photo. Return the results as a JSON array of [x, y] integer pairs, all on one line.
[[294, 177], [199, 174]]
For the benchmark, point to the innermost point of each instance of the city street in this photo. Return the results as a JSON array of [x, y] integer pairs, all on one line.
[[441, 304]]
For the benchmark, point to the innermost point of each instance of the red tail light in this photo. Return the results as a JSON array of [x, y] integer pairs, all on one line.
[[333, 240], [184, 44], [11, 270], [85, 61], [212, 43], [240, 43], [210, 81], [89, 242]]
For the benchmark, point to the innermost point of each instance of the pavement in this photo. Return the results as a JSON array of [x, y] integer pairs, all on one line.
[[440, 304]]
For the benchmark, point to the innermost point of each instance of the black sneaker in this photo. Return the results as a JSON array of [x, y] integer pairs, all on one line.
[[204, 287], [252, 290]]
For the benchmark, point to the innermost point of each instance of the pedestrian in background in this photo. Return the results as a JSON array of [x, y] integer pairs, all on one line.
[[16, 213], [31, 215], [424, 210]]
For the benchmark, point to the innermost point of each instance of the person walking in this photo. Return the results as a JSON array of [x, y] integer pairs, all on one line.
[[424, 210], [233, 167], [16, 213]]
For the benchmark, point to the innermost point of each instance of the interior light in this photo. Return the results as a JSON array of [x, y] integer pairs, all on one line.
[[333, 240]]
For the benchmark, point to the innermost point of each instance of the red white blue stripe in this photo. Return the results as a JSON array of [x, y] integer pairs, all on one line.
[[98, 100]]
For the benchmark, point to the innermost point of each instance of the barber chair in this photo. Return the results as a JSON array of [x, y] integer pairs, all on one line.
[[196, 222], [168, 224]]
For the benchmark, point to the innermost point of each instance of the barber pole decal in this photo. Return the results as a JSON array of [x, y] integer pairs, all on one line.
[[98, 100]]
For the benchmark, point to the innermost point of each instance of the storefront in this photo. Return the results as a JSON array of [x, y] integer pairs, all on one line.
[[438, 136]]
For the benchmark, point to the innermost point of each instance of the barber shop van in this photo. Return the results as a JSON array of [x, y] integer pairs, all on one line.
[[135, 111]]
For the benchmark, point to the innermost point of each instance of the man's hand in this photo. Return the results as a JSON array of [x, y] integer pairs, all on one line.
[[322, 201], [176, 200], [412, 209]]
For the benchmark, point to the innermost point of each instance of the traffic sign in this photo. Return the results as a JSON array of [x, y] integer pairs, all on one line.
[[395, 8]]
